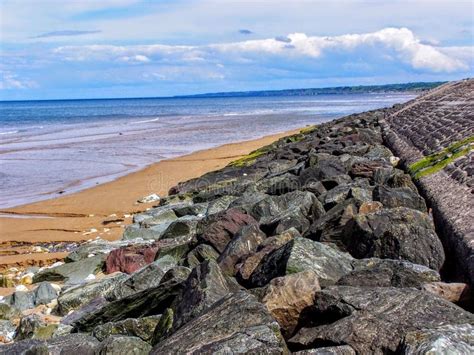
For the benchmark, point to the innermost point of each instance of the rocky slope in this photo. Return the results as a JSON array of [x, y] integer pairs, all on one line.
[[317, 244]]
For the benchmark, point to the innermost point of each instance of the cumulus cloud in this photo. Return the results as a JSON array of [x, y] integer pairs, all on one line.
[[398, 43], [9, 80], [66, 33]]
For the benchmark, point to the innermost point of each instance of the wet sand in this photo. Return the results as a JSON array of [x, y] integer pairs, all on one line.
[[103, 211]]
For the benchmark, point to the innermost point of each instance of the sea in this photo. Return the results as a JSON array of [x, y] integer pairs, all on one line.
[[48, 148]]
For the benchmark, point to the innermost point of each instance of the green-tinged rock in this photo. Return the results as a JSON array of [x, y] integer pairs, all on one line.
[[399, 197], [201, 253], [7, 331], [301, 254], [118, 345], [8, 312], [164, 326], [237, 322], [72, 273], [142, 328]]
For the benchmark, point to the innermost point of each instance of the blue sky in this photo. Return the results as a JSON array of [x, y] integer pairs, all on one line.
[[128, 48]]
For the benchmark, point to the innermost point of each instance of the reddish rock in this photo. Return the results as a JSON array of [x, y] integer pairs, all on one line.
[[366, 169], [287, 296], [456, 292], [221, 228], [130, 258], [369, 207]]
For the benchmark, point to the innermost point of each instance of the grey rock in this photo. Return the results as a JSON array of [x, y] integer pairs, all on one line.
[[118, 345], [25, 347], [237, 323], [72, 344], [445, 339], [96, 247], [7, 330], [205, 285], [397, 233], [329, 350], [29, 327], [71, 273], [199, 254], [142, 328], [45, 293], [21, 300], [79, 295], [8, 312], [388, 273], [301, 254], [399, 197], [372, 320], [184, 226], [92, 306]]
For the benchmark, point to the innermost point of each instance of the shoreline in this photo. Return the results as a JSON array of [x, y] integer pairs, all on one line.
[[105, 209]]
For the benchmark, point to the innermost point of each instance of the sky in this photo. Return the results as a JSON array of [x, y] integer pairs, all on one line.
[[56, 49]]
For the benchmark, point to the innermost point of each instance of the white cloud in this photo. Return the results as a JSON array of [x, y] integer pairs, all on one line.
[[399, 43], [9, 80]]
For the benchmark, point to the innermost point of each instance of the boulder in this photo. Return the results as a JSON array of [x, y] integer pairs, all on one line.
[[8, 312], [243, 244], [148, 302], [147, 277], [118, 345], [205, 285], [130, 258], [90, 307], [164, 327], [183, 226], [95, 247], [456, 292], [142, 328], [370, 207], [200, 253], [7, 331], [388, 273], [372, 320], [21, 300], [399, 197], [72, 273], [247, 267], [79, 295], [45, 293], [328, 350], [34, 326], [237, 322], [301, 254], [287, 296], [444, 339], [218, 230], [396, 233]]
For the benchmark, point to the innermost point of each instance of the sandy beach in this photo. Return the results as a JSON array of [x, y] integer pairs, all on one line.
[[104, 210]]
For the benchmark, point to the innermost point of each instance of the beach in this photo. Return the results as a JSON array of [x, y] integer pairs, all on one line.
[[105, 208]]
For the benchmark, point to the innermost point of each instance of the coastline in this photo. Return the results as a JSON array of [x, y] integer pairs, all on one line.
[[103, 210]]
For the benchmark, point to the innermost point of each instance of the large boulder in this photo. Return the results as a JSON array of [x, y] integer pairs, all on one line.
[[71, 273], [388, 273], [301, 254], [205, 285], [236, 323], [199, 254], [396, 233], [399, 197], [219, 229], [287, 296], [118, 345], [372, 320]]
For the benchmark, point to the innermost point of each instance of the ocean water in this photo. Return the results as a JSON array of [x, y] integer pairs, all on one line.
[[52, 147]]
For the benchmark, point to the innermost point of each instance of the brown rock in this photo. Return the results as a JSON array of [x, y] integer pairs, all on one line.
[[369, 207], [287, 296], [221, 228], [366, 169], [270, 244], [456, 292]]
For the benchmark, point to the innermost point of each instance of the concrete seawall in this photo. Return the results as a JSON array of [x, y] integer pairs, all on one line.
[[440, 122]]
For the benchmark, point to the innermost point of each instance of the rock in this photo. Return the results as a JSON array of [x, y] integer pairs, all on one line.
[[34, 326], [370, 207], [329, 350], [397, 233], [162, 217], [367, 168], [184, 226], [7, 331], [456, 292], [243, 244], [164, 326], [336, 196], [199, 254], [8, 312], [149, 199], [148, 302], [21, 300], [130, 258], [205, 285], [72, 344], [142, 328], [388, 273], [71, 273], [77, 296], [445, 339], [90, 307], [237, 322], [322, 166], [399, 197], [24, 347], [96, 247], [287, 296], [372, 320], [361, 194], [45, 293], [177, 247], [301, 254], [118, 345], [147, 277], [270, 244], [218, 230]]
